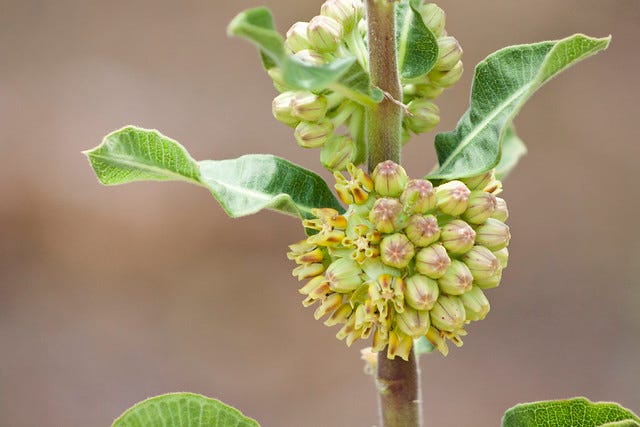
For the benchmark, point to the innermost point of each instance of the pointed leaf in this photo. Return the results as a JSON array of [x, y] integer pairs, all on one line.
[[343, 74], [183, 410], [502, 84], [512, 150], [578, 412], [416, 44], [243, 186]]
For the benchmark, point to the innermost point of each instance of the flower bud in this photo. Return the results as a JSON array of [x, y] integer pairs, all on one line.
[[346, 12], [457, 236], [481, 262], [479, 182], [433, 17], [422, 115], [491, 282], [428, 91], [313, 134], [456, 280], [324, 33], [389, 178], [343, 275], [338, 152], [453, 197], [282, 111], [502, 212], [493, 234], [503, 257], [476, 305], [387, 215], [308, 107], [433, 261], [413, 322], [396, 250], [422, 230], [310, 57], [278, 81], [448, 313], [329, 305], [418, 196], [340, 315], [481, 206], [421, 292], [297, 37], [447, 78], [449, 54]]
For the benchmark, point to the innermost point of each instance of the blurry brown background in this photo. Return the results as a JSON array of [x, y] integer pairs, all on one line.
[[111, 295]]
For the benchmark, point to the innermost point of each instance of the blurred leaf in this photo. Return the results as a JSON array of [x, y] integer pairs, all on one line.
[[502, 84], [578, 412], [416, 44], [343, 74], [243, 186], [183, 410], [512, 150], [423, 346]]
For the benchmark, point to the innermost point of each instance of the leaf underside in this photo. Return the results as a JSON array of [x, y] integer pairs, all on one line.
[[242, 186], [578, 412], [183, 410], [502, 84]]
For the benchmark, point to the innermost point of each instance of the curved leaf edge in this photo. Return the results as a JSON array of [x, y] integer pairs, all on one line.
[[174, 395]]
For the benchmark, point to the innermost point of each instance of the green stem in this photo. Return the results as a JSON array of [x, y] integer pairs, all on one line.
[[398, 382]]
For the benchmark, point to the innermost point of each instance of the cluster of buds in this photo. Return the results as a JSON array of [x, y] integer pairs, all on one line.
[[422, 114], [406, 259], [316, 116]]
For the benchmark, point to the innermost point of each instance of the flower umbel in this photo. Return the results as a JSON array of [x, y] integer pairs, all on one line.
[[407, 259]]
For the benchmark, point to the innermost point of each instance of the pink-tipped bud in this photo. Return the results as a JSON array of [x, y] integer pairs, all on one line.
[[493, 234], [413, 322], [447, 78], [434, 18], [419, 196], [450, 52], [338, 153], [346, 12], [422, 115], [324, 33], [422, 230], [448, 314], [308, 107], [476, 305], [421, 292], [297, 37], [453, 197], [457, 236], [343, 275], [433, 261], [481, 262], [481, 206], [282, 110], [502, 212], [479, 182], [503, 257], [387, 215], [396, 250], [389, 178], [457, 280], [491, 282]]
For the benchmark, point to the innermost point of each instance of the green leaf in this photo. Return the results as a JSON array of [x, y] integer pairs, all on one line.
[[242, 186], [344, 74], [423, 346], [417, 46], [512, 150], [183, 410], [578, 412], [502, 84]]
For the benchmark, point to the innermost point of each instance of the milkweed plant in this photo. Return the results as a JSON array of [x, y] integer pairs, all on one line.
[[403, 264]]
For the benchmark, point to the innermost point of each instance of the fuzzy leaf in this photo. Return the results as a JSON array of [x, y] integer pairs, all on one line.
[[502, 84], [578, 412], [242, 186], [183, 410], [416, 44], [512, 150], [256, 25]]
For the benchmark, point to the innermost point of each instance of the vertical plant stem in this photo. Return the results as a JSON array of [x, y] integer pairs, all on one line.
[[397, 381]]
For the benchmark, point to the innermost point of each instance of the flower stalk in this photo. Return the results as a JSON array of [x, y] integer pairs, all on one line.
[[398, 381]]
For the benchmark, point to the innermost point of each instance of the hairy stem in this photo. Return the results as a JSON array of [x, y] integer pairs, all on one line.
[[384, 120], [398, 382]]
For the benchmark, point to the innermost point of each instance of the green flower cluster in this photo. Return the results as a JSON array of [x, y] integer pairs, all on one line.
[[406, 259], [334, 121]]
